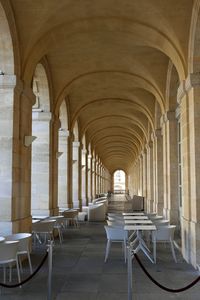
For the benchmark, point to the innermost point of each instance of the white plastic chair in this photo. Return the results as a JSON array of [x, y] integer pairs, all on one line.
[[164, 234], [23, 246], [45, 229], [159, 223], [115, 234], [59, 225], [71, 217], [8, 255]]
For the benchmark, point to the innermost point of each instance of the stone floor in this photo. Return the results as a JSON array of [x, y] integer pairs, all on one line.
[[79, 272]]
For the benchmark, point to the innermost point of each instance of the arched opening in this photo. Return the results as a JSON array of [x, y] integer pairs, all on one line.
[[62, 156], [40, 171], [119, 182], [6, 125]]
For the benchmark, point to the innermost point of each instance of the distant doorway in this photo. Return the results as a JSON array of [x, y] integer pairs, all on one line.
[[119, 186]]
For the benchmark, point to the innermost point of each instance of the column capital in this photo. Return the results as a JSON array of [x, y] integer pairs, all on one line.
[[84, 151], [76, 144], [63, 133], [192, 80], [156, 134], [168, 116]]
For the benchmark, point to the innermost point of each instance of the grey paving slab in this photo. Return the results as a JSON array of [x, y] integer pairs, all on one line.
[[79, 271]]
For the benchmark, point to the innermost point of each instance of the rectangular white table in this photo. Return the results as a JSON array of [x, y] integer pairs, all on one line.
[[133, 222], [141, 243], [133, 214], [136, 218]]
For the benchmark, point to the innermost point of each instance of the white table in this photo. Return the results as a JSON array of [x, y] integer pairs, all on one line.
[[136, 218], [134, 214], [2, 239], [39, 217], [134, 222], [141, 243]]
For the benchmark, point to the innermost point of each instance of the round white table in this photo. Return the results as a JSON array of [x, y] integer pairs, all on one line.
[[2, 239]]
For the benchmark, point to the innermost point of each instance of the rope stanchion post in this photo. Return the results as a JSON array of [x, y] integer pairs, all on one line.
[[50, 252], [129, 265]]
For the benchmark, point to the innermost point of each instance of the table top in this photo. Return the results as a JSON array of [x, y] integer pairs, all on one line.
[[133, 214], [138, 222], [35, 217], [136, 218], [2, 239], [140, 227]]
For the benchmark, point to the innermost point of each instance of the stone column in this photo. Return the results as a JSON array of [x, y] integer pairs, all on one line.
[[15, 168], [53, 176], [83, 173], [21, 218], [141, 175], [183, 101], [62, 169], [170, 167], [93, 177], [144, 178], [158, 171], [89, 170], [97, 177], [150, 192], [188, 98], [75, 174]]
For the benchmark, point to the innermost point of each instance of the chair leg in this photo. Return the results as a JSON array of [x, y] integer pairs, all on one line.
[[10, 272], [125, 253], [4, 273], [29, 260], [18, 273], [20, 264], [59, 233], [173, 251], [107, 250], [154, 249]]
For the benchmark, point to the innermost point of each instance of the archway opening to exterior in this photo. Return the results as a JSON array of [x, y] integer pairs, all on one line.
[[62, 156], [119, 182], [41, 118]]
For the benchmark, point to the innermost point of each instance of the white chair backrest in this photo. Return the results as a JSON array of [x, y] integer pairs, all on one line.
[[23, 239], [59, 219], [44, 226], [165, 233], [161, 222], [115, 233], [8, 251]]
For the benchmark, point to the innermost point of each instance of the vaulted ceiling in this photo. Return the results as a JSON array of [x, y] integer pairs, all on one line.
[[109, 59]]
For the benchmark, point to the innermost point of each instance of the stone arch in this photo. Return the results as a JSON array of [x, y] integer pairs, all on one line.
[[62, 156], [41, 122], [194, 40]]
